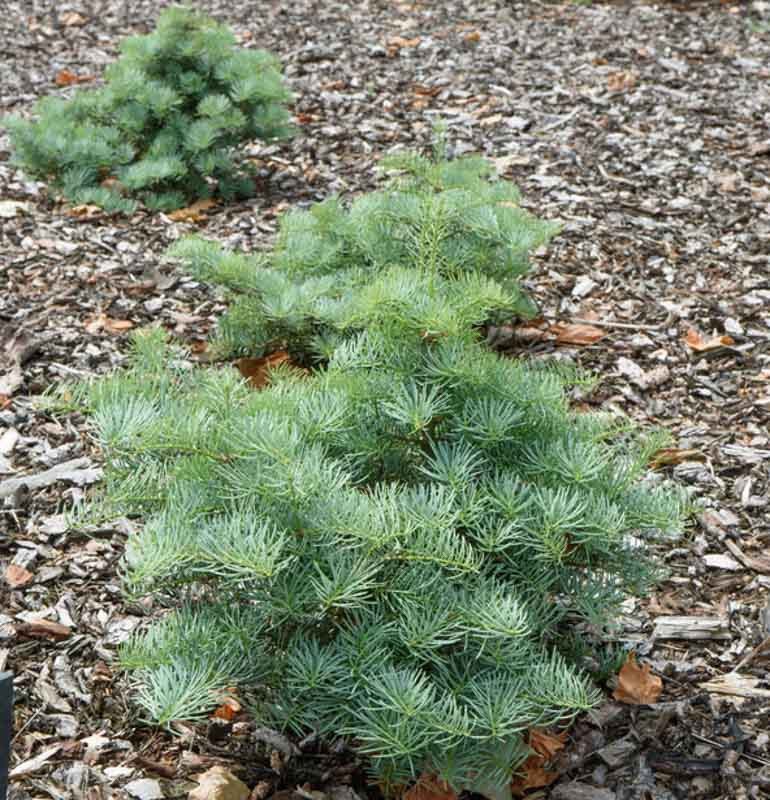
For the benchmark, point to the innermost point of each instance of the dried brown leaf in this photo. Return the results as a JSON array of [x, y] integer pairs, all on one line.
[[161, 768], [194, 212], [228, 708], [671, 456], [16, 576], [429, 787], [65, 77], [533, 773], [85, 211], [697, 342], [117, 325], [103, 322], [576, 333], [636, 684], [546, 744], [112, 183], [535, 777], [257, 370]]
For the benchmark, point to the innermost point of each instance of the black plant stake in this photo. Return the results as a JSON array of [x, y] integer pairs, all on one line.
[[6, 703]]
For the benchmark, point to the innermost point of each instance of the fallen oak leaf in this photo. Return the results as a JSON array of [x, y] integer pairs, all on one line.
[[229, 706], [16, 576], [117, 325], [533, 773], [103, 322], [697, 342], [423, 95], [194, 212], [257, 370], [113, 184], [430, 787], [546, 744], [84, 211], [66, 78], [535, 777], [637, 686], [575, 333]]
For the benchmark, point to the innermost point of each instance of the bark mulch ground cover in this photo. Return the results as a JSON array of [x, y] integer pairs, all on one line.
[[645, 129]]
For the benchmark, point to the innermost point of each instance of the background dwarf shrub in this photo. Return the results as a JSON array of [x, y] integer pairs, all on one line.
[[388, 547], [165, 126]]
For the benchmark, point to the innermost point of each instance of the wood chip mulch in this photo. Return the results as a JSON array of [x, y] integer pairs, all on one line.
[[644, 128]]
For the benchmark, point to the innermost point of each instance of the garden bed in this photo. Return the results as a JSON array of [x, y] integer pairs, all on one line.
[[643, 129]]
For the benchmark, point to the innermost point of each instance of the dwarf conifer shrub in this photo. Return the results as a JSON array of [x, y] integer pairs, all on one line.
[[440, 227], [387, 546], [165, 126]]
